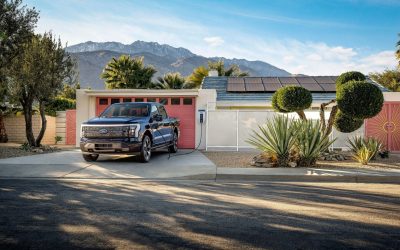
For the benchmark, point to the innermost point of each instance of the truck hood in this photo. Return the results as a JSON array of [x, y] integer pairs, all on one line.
[[116, 120]]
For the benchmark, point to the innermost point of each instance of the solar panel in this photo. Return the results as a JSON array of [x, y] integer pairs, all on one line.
[[323, 79], [305, 79], [328, 87], [309, 83], [236, 84], [288, 81], [271, 84], [254, 84]]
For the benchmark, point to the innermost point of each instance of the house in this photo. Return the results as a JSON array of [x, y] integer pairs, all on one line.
[[233, 106]]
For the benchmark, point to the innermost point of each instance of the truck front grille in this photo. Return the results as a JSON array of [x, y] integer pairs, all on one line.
[[105, 131]]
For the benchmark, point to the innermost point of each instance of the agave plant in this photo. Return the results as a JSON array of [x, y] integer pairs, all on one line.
[[277, 138], [363, 155], [310, 142], [364, 149]]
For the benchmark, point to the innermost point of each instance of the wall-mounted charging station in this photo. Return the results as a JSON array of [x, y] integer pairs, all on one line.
[[201, 115]]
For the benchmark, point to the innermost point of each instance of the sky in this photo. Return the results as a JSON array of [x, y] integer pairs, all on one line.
[[303, 36]]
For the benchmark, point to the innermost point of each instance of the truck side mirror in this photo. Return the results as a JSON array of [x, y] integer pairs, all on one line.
[[158, 117]]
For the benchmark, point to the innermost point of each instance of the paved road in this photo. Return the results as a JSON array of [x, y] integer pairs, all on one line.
[[60, 214]]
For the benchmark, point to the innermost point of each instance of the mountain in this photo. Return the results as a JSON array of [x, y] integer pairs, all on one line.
[[92, 58]]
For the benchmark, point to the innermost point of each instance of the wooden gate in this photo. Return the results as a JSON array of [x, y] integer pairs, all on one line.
[[386, 126]]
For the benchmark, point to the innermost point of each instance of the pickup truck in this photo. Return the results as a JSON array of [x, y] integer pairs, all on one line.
[[131, 128]]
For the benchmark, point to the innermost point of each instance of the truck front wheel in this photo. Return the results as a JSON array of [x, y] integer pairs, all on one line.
[[173, 148], [90, 158], [145, 151]]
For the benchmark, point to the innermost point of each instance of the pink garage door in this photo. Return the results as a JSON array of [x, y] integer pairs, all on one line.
[[70, 127], [386, 126], [182, 108]]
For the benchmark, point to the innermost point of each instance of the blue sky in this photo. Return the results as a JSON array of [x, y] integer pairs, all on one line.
[[303, 36]]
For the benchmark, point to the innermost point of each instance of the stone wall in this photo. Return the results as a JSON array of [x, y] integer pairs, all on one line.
[[15, 127]]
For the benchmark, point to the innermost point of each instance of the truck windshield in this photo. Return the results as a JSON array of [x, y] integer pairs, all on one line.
[[127, 110]]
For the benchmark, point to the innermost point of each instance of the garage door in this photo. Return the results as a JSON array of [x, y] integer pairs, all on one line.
[[182, 108]]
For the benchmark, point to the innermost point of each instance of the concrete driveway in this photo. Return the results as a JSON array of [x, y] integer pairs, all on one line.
[[70, 164]]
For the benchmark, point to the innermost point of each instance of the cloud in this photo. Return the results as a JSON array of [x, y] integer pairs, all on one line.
[[214, 41]]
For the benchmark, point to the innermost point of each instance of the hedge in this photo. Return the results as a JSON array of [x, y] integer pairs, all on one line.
[[59, 104]]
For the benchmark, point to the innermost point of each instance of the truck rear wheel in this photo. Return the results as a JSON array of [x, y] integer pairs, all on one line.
[[90, 158], [145, 151]]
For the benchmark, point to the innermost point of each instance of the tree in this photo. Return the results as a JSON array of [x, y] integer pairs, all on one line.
[[69, 91], [127, 73], [356, 100], [16, 26], [170, 81], [37, 75], [388, 78], [196, 78], [398, 51]]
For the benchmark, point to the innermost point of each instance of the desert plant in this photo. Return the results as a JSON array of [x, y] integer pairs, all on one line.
[[357, 143], [310, 142], [57, 139], [277, 138], [363, 155]]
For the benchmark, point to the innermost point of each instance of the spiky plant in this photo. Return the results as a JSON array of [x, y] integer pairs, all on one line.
[[372, 144], [363, 155], [310, 142], [170, 81], [276, 137]]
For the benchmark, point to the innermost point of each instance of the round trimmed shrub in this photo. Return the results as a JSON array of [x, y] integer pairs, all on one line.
[[293, 98], [274, 102], [346, 124], [350, 76], [359, 99]]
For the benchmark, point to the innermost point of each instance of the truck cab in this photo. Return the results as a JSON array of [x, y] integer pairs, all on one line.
[[131, 128]]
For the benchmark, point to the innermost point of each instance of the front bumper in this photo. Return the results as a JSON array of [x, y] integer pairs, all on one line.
[[99, 146]]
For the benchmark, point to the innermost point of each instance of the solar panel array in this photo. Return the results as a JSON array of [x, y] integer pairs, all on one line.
[[271, 84]]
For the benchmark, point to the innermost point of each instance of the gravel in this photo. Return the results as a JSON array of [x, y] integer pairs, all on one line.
[[8, 151]]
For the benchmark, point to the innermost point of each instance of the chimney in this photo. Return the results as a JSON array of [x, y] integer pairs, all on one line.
[[212, 73]]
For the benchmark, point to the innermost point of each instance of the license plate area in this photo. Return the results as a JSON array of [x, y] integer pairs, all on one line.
[[103, 146]]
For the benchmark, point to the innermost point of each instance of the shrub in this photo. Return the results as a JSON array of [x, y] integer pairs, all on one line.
[[59, 104], [346, 124], [359, 99], [310, 142], [349, 76], [363, 155], [274, 102], [372, 144], [57, 139], [276, 137], [293, 98]]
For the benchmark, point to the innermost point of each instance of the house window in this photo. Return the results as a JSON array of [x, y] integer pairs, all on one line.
[[187, 101], [127, 99], [103, 101], [164, 101], [151, 99], [175, 101], [114, 100], [139, 99]]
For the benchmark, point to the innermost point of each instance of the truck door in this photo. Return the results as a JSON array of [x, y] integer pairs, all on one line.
[[156, 127], [165, 124]]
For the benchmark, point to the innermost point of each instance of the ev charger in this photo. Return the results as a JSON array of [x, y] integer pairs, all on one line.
[[202, 115]]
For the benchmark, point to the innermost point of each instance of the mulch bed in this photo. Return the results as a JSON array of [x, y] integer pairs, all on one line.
[[7, 151], [243, 160]]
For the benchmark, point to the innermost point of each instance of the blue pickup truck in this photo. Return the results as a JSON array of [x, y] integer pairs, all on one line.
[[132, 128]]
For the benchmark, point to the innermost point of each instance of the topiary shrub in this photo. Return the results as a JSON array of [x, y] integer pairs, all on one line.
[[346, 124], [293, 98], [359, 99], [274, 102], [350, 76]]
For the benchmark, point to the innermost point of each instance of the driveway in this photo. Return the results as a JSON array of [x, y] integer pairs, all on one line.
[[70, 164]]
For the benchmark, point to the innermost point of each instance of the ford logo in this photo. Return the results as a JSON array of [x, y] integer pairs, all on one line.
[[103, 131]]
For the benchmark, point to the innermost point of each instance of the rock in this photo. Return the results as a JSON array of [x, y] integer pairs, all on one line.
[[292, 164]]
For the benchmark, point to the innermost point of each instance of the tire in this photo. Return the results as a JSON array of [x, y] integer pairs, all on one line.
[[174, 147], [90, 158], [145, 150]]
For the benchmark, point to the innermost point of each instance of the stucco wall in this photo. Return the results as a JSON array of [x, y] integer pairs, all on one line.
[[15, 127]]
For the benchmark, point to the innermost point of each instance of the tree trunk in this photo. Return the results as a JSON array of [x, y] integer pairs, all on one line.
[[322, 114], [3, 133], [44, 124], [331, 120], [28, 124], [302, 115]]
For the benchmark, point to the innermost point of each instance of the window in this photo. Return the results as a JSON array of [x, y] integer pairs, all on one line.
[[151, 99], [175, 101], [114, 100], [127, 110], [164, 101], [162, 112], [187, 101], [103, 101], [127, 100], [154, 110], [139, 99]]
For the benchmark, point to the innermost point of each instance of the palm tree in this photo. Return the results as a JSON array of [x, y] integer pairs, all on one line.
[[127, 73], [233, 70], [170, 81], [196, 78], [398, 51]]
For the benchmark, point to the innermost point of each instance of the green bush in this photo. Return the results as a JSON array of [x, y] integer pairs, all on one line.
[[293, 98], [310, 142], [349, 76], [346, 124], [274, 102], [276, 137], [359, 99], [59, 104]]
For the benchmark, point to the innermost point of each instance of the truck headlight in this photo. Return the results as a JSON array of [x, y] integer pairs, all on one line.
[[134, 130], [82, 131]]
